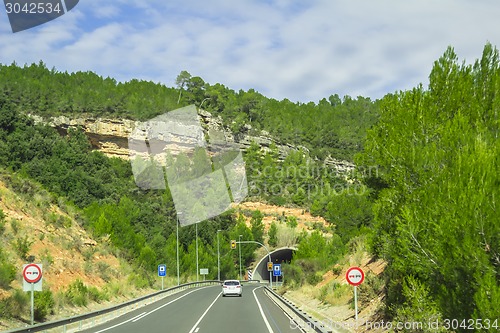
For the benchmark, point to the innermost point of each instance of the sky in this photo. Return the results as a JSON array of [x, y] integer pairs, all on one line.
[[301, 50]]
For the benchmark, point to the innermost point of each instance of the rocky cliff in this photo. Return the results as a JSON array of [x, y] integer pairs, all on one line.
[[111, 136]]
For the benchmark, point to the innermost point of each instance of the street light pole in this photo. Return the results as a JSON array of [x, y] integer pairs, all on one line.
[[239, 246], [177, 247], [206, 99], [268, 254], [218, 256], [197, 271]]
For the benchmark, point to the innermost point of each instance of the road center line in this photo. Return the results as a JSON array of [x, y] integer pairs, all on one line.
[[261, 311], [195, 327]]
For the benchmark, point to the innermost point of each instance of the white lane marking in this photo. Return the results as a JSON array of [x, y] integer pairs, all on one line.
[[119, 324], [296, 324], [196, 330], [262, 312], [203, 315], [139, 317], [164, 305]]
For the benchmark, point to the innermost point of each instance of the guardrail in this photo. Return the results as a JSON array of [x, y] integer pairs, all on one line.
[[78, 323], [301, 319]]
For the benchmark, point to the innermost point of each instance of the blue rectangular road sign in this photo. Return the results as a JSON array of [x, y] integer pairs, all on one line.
[[162, 270], [276, 270]]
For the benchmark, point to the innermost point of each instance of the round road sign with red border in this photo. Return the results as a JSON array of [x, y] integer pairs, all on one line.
[[32, 273], [355, 276]]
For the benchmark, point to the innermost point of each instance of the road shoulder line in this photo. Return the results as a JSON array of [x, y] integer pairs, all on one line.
[[270, 330]]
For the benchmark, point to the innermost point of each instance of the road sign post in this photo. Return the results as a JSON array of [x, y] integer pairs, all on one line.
[[355, 276], [162, 272], [32, 275], [277, 272], [204, 272]]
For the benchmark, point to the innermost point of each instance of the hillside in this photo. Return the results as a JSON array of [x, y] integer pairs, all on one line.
[[422, 196], [328, 297], [334, 126], [34, 225], [272, 213]]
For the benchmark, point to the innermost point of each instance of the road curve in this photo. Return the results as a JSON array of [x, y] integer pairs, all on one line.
[[204, 310]]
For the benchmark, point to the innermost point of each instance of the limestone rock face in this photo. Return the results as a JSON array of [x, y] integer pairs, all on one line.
[[110, 136]]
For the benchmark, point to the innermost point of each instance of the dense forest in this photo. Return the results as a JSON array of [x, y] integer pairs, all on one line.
[[140, 224], [333, 126], [428, 208], [437, 220]]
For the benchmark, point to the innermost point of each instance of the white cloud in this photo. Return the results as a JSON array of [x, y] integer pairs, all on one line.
[[282, 48]]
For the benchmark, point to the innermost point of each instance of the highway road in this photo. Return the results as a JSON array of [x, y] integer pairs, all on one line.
[[204, 310]]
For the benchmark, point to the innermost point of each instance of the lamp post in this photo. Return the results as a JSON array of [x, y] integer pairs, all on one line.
[[218, 256], [269, 258], [197, 271], [206, 99], [239, 246], [177, 247]]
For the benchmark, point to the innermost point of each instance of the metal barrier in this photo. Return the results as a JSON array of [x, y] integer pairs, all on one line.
[[300, 318], [91, 319]]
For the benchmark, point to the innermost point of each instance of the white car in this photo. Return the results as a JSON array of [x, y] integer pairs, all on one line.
[[231, 287]]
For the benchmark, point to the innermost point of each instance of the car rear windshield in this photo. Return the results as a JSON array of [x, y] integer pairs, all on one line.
[[231, 283]]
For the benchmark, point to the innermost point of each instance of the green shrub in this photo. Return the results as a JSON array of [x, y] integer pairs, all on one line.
[[57, 220], [14, 224], [16, 305], [77, 294], [115, 289], [314, 278], [88, 268], [2, 222], [294, 276], [371, 288], [42, 199], [419, 307], [46, 259], [7, 273], [22, 245], [104, 270], [96, 295], [88, 254], [273, 235], [323, 293], [335, 293], [291, 222], [139, 281], [43, 304], [337, 270]]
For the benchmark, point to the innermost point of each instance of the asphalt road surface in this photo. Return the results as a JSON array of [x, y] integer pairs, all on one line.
[[204, 310]]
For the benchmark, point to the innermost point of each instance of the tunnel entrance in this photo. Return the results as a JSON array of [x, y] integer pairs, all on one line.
[[279, 256]]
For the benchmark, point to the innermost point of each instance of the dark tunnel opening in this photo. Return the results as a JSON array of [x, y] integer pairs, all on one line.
[[279, 256]]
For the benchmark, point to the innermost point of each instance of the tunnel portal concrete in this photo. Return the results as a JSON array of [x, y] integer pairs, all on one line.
[[278, 256]]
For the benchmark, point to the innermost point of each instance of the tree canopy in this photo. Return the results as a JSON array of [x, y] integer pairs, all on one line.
[[436, 216]]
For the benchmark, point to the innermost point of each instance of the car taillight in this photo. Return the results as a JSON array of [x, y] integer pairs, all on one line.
[[237, 286], [224, 286]]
